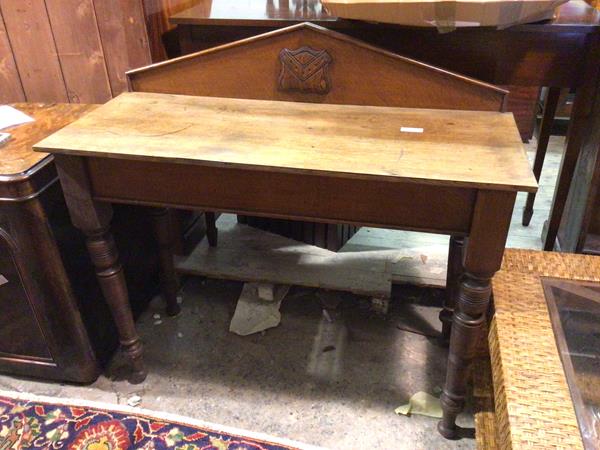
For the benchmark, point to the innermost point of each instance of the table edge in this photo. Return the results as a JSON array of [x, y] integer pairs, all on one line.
[[531, 188]]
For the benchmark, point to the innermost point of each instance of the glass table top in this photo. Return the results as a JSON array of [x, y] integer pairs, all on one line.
[[575, 313]]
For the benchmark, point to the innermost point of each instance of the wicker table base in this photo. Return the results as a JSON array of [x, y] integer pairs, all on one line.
[[532, 403], [483, 399]]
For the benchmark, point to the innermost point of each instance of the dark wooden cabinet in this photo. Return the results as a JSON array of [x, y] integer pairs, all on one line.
[[54, 322]]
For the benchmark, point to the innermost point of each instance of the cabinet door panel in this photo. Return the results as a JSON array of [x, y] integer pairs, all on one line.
[[16, 313]]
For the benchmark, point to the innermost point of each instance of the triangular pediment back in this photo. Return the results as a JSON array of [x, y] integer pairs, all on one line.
[[309, 63]]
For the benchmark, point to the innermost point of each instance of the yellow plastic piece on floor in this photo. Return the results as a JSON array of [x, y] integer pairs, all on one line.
[[423, 404]]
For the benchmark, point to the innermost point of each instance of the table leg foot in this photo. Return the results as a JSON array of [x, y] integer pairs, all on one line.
[[109, 272], [528, 211], [168, 275], [469, 317], [134, 354], [447, 427]]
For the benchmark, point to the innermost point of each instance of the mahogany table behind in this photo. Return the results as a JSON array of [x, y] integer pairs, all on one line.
[[563, 52], [331, 163]]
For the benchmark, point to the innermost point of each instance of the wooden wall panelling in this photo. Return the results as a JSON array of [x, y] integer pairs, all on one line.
[[11, 90], [34, 50], [79, 50], [69, 50], [122, 28]]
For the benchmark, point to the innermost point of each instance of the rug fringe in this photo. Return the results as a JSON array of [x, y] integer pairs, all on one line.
[[150, 414]]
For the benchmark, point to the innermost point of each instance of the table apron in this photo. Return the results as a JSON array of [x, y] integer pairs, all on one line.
[[315, 197]]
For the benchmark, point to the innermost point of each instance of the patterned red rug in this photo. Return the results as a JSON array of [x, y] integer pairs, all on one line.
[[28, 421]]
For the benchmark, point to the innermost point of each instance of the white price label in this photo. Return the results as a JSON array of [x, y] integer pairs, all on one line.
[[411, 130]]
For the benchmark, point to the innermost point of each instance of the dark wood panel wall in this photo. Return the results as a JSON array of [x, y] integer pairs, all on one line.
[[160, 31], [69, 50]]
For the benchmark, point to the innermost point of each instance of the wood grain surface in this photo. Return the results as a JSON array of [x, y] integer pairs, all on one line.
[[340, 70], [34, 50], [360, 74], [255, 13], [465, 148], [10, 84], [17, 156], [69, 50], [122, 28], [81, 58]]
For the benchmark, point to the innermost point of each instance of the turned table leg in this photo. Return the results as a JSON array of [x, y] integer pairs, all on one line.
[[453, 276], [103, 252], [550, 105], [482, 258], [168, 276], [93, 218], [469, 317]]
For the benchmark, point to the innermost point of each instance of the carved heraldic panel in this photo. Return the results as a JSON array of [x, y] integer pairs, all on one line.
[[305, 70]]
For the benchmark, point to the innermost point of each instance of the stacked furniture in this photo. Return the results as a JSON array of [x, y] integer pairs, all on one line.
[[560, 53]]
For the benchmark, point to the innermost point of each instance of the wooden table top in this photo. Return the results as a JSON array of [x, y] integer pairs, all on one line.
[[254, 13], [268, 13], [455, 148], [18, 156]]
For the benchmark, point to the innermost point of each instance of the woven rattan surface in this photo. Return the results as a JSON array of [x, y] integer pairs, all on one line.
[[483, 399], [532, 400]]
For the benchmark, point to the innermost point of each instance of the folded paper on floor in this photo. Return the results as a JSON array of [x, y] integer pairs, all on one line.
[[254, 313]]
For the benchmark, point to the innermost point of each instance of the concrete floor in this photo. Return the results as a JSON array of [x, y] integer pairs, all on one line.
[[334, 384], [329, 383]]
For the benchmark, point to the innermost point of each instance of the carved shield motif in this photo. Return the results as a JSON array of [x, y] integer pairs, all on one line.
[[305, 70]]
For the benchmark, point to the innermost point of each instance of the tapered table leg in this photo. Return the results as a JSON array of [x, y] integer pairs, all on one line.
[[168, 276], [584, 117], [483, 253], [453, 276], [211, 228], [550, 105], [93, 218]]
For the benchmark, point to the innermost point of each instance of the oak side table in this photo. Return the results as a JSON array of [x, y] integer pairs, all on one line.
[[283, 159]]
